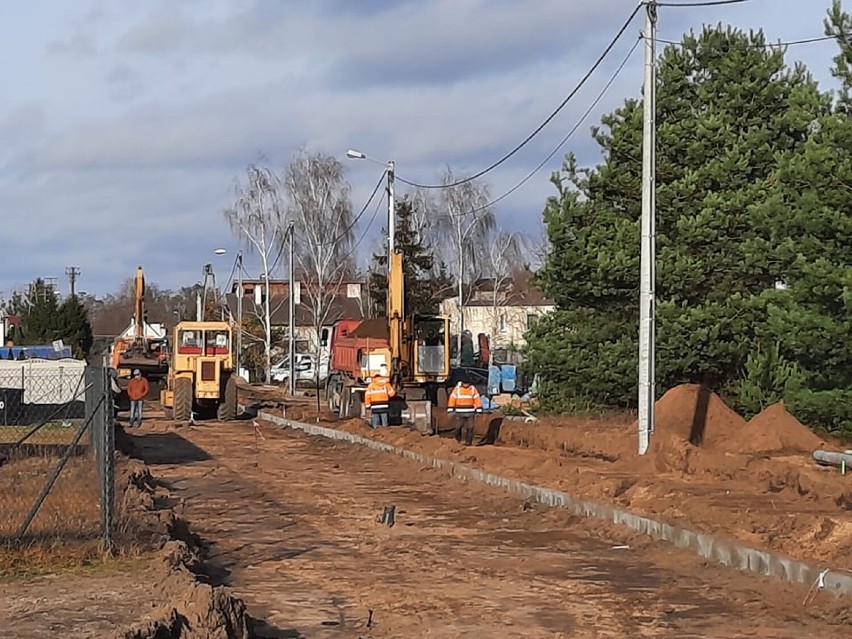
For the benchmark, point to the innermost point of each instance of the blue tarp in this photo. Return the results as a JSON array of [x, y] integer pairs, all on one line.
[[31, 352], [509, 376], [493, 380]]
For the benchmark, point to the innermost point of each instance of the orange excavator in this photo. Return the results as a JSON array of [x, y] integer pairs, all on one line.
[[140, 349]]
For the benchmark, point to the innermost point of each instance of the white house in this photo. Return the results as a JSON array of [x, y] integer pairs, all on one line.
[[504, 315]]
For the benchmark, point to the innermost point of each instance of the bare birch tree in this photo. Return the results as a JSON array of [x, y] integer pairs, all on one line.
[[257, 219], [502, 257], [466, 219], [320, 208]]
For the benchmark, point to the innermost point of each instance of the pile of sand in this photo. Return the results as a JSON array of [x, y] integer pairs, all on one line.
[[774, 430], [695, 414]]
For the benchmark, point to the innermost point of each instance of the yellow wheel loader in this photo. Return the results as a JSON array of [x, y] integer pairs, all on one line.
[[201, 372]]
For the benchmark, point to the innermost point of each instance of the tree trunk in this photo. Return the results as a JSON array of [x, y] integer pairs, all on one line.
[[461, 305], [267, 324]]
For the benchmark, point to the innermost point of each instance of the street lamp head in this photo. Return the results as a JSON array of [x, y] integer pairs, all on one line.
[[355, 155], [220, 251]]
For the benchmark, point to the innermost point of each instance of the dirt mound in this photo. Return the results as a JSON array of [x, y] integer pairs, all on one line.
[[697, 415], [773, 430], [192, 609], [195, 610]]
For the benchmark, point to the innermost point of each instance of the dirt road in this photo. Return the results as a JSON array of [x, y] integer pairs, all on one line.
[[293, 526]]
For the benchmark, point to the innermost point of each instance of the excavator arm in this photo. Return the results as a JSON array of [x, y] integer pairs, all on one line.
[[139, 305], [396, 312]]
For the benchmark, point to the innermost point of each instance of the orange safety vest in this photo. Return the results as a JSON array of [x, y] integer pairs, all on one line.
[[378, 394], [465, 399]]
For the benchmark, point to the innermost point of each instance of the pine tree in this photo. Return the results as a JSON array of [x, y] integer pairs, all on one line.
[[39, 317], [423, 288], [839, 24], [75, 329], [808, 218], [728, 111]]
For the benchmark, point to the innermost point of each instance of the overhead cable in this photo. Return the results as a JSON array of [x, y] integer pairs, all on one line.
[[565, 139], [705, 3], [541, 126], [767, 45], [351, 226]]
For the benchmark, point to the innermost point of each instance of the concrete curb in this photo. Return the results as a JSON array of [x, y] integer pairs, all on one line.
[[726, 552]]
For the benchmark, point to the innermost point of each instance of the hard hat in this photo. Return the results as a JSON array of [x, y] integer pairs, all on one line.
[[136, 372]]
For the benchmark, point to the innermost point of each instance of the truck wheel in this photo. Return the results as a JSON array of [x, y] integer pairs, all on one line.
[[332, 394], [183, 399], [345, 400], [227, 409]]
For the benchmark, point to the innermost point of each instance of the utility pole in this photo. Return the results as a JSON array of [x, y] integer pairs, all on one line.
[[240, 294], [73, 272], [202, 298], [648, 232], [391, 213], [291, 289]]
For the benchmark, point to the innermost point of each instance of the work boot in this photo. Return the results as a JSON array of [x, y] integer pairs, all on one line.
[[468, 436]]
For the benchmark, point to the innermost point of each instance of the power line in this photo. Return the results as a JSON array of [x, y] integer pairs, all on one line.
[[541, 126], [360, 214], [706, 3], [369, 224], [767, 45], [565, 139], [348, 229]]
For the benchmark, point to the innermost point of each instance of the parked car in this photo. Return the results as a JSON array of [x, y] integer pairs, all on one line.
[[305, 368]]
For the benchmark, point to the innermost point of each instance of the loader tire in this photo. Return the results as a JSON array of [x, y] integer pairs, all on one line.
[[183, 399], [227, 409]]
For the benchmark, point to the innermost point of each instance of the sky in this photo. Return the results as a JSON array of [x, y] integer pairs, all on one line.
[[125, 125]]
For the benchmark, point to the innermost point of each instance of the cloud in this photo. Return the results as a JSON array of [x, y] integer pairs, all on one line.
[[124, 82], [78, 44], [125, 150]]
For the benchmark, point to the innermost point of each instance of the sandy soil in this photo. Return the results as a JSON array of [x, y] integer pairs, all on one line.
[[75, 604], [293, 527], [753, 482]]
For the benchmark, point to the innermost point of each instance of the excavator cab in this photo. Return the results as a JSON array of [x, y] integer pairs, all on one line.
[[430, 353]]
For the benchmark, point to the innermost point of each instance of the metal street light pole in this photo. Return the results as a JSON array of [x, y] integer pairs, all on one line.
[[239, 321], [648, 248], [239, 313], [391, 212], [390, 169], [291, 338]]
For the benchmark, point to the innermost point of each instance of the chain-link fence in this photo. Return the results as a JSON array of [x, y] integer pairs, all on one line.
[[57, 442]]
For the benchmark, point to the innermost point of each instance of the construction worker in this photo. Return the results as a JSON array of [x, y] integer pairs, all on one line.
[[465, 402], [137, 391], [377, 398]]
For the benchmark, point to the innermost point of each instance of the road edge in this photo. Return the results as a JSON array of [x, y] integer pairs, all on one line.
[[724, 551]]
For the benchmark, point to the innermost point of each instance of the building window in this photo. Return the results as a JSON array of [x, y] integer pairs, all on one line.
[[502, 323], [531, 318]]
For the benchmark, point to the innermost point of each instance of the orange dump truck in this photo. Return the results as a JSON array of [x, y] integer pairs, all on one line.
[[354, 359]]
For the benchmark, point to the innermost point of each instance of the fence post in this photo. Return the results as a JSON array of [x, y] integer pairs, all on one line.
[[91, 403], [107, 456]]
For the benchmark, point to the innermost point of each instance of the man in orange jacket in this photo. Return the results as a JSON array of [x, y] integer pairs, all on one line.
[[137, 391], [465, 402], [377, 399]]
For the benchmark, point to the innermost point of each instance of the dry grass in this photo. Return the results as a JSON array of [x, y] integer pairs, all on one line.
[[70, 512], [49, 434], [39, 558]]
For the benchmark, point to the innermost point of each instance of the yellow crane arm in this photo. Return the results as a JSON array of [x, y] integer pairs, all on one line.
[[139, 304], [396, 312]]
